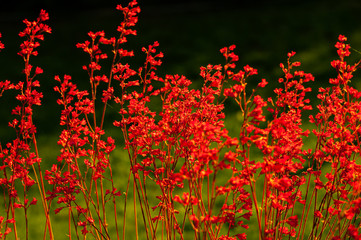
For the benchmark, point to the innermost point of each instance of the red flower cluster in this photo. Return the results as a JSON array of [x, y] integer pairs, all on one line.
[[187, 172], [19, 157], [1, 44]]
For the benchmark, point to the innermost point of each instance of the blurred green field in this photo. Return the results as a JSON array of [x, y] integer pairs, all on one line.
[[190, 35]]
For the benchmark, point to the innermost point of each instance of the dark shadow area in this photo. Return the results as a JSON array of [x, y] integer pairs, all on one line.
[[190, 34]]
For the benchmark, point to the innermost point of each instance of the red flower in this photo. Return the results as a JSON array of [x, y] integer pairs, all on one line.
[[293, 221]]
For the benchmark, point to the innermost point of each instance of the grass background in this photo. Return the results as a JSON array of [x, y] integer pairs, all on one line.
[[190, 34]]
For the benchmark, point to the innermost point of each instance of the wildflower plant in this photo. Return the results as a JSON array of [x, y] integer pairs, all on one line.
[[189, 177]]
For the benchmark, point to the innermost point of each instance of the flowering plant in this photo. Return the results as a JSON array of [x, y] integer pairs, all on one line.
[[189, 177]]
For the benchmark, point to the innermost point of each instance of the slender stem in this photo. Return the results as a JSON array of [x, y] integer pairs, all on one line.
[[135, 210], [26, 223], [125, 205], [69, 221], [40, 183], [114, 204], [303, 218], [14, 224], [103, 204], [97, 207]]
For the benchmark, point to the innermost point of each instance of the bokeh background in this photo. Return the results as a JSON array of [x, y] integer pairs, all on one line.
[[190, 34]]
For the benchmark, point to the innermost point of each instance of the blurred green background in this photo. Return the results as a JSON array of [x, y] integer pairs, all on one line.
[[190, 34]]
